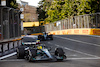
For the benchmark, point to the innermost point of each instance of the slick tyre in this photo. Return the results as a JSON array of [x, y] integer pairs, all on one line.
[[59, 52], [20, 52]]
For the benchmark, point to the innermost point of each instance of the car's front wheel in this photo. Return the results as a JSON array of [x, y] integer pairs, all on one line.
[[20, 52], [59, 52]]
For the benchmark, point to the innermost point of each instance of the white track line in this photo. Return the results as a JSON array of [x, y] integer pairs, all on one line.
[[75, 50], [92, 35], [13, 60], [71, 55], [82, 58], [11, 54], [8, 56], [78, 41], [18, 60]]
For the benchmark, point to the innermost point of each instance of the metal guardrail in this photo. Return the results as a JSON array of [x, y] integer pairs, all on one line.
[[10, 29], [7, 45], [81, 21]]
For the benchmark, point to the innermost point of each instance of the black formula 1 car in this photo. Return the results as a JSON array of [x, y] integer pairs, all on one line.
[[40, 52], [45, 36]]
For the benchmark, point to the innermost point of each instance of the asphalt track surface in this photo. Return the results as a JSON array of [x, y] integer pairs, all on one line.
[[81, 51]]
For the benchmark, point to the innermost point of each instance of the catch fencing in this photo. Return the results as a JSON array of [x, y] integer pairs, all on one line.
[[10, 23], [81, 21]]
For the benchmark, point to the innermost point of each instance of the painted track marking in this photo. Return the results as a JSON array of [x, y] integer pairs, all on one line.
[[74, 50], [13, 60], [78, 41], [8, 55], [85, 58]]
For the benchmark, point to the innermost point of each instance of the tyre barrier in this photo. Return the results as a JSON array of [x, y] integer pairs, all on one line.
[[8, 45]]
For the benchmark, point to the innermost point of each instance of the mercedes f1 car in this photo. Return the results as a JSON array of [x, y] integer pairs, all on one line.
[[32, 50], [39, 52], [45, 36]]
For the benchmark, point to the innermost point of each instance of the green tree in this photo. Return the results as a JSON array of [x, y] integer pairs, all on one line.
[[55, 11], [62, 9], [95, 6], [12, 4], [41, 14], [42, 9]]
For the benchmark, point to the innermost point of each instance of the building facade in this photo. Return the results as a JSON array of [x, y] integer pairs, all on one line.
[[29, 13]]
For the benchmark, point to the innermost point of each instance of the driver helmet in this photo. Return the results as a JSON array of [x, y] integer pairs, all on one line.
[[39, 47]]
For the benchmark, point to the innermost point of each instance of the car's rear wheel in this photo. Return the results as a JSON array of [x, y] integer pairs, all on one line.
[[20, 52]]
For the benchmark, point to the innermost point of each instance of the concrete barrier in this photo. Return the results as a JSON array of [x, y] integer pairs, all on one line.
[[77, 31], [84, 31], [95, 31], [7, 45]]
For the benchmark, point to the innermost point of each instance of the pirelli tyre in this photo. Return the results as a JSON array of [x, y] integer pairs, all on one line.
[[59, 52], [20, 52]]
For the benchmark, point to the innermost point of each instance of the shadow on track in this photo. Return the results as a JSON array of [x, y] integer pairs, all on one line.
[[46, 61]]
